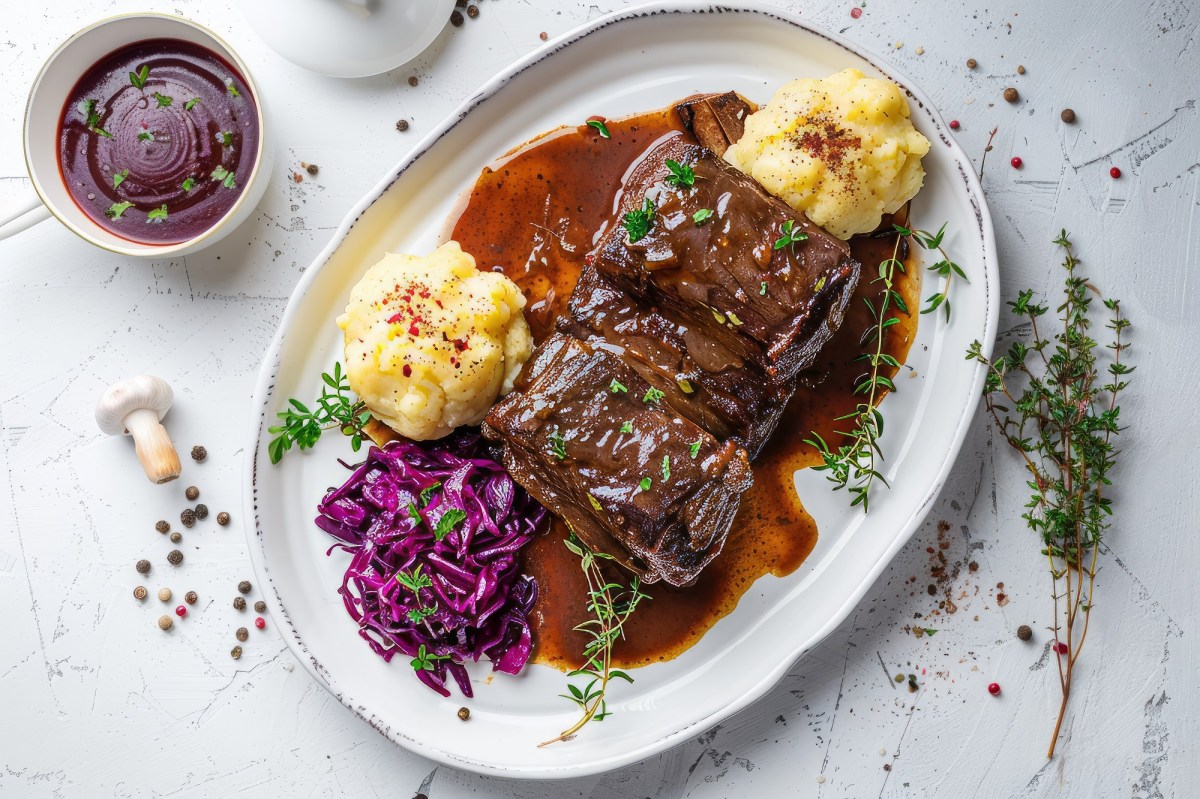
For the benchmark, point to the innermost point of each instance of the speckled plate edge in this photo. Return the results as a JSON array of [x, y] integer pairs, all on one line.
[[263, 404]]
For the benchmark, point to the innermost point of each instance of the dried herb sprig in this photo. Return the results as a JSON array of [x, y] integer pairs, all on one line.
[[336, 407], [610, 604], [1063, 421]]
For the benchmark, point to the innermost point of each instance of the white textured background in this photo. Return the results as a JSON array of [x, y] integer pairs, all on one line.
[[95, 701]]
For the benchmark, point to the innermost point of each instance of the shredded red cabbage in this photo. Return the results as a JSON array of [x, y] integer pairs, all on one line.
[[470, 599]]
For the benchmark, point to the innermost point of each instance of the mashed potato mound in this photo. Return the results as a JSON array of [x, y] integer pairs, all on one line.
[[432, 341], [840, 149]]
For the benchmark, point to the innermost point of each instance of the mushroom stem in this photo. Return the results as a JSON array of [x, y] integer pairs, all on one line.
[[153, 446]]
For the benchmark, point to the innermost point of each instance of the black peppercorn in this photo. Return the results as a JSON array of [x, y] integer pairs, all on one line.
[[162, 526], [176, 537], [312, 169], [1067, 116], [1011, 94], [222, 518], [188, 517], [242, 634], [140, 593], [201, 511], [190, 597], [402, 125], [239, 603], [972, 63], [260, 607], [165, 622], [464, 713], [143, 566], [1024, 633], [412, 81], [235, 653], [174, 557], [456, 19], [245, 587], [199, 453], [191, 492], [472, 11]]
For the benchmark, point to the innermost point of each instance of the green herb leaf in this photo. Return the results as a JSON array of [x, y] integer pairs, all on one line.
[[600, 127], [645, 484], [119, 178], [224, 175], [638, 222], [188, 184], [666, 467], [762, 288], [233, 90], [627, 427], [694, 448], [116, 209], [336, 407], [163, 100], [596, 506], [681, 174], [225, 138], [615, 386], [190, 104], [427, 493], [929, 630], [414, 581], [426, 661], [558, 445], [792, 235], [449, 520], [145, 135], [418, 615], [138, 79], [702, 216], [158, 214], [653, 396]]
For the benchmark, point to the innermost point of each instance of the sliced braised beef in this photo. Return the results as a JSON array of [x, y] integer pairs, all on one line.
[[716, 120], [700, 379], [591, 440], [724, 276]]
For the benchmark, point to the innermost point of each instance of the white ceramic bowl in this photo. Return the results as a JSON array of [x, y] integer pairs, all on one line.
[[49, 92]]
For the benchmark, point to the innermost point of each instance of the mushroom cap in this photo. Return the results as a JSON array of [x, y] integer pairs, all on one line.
[[143, 392]]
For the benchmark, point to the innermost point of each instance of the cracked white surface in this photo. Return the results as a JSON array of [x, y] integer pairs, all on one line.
[[97, 701]]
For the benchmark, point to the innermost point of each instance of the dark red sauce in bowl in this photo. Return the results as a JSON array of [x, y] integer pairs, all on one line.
[[158, 156]]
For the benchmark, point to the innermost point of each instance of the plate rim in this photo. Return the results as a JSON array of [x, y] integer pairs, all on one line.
[[264, 386]]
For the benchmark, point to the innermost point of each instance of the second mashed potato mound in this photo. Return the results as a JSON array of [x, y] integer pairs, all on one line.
[[432, 341], [840, 149]]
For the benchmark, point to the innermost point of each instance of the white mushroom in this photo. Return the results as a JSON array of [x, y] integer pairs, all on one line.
[[134, 407]]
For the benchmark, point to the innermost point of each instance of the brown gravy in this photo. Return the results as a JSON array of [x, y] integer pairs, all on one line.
[[533, 214]]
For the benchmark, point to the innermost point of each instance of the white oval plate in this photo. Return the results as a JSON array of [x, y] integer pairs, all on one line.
[[631, 61]]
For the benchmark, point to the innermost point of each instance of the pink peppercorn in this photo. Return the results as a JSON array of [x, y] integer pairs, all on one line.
[[954, 124], [181, 611], [1016, 162], [260, 622], [1060, 648], [994, 689], [1115, 172], [856, 12]]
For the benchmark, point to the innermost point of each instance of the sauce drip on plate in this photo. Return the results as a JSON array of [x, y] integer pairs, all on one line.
[[534, 214]]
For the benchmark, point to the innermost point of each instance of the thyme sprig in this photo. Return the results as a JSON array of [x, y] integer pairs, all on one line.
[[610, 604], [1047, 401], [336, 407]]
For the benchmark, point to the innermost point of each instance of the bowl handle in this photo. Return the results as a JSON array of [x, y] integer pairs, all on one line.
[[25, 212]]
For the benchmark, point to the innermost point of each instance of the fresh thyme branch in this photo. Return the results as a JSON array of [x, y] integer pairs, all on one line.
[[336, 407]]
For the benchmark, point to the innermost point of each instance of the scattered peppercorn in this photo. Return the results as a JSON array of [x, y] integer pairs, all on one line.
[[222, 518], [1115, 172], [412, 81], [456, 19], [164, 595], [472, 11], [260, 607], [402, 125], [143, 566], [242, 634], [297, 177], [201, 511], [855, 12], [899, 678], [260, 622], [162, 526], [140, 592], [245, 587], [1024, 632], [199, 453], [994, 689], [954, 124], [165, 622], [239, 603], [973, 566], [235, 653], [176, 537], [1067, 116], [1016, 162], [312, 169], [972, 63], [1020, 69], [464, 713], [181, 611], [190, 597], [543, 36], [1060, 648], [174, 557], [191, 492], [188, 517], [1011, 95]]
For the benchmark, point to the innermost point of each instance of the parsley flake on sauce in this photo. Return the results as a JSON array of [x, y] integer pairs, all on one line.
[[616, 387], [119, 177], [145, 135], [225, 137], [116, 209], [158, 214], [694, 449], [558, 445], [188, 184], [702, 216], [681, 174], [666, 467], [190, 104], [639, 221], [653, 396], [138, 79], [233, 90], [645, 484], [627, 427], [600, 127], [163, 100]]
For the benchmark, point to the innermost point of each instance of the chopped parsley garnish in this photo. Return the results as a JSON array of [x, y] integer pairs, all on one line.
[[600, 127], [233, 90], [145, 135], [638, 222], [414, 582], [418, 615], [558, 445], [190, 104], [645, 484], [702, 216], [414, 514], [615, 386], [653, 395], [119, 177], [138, 79], [627, 427], [427, 493], [426, 661], [762, 288], [225, 137], [595, 503], [158, 214], [92, 118], [694, 448], [791, 235], [681, 174], [225, 176], [116, 209], [450, 519], [733, 319], [188, 184], [163, 100], [666, 467], [929, 630]]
